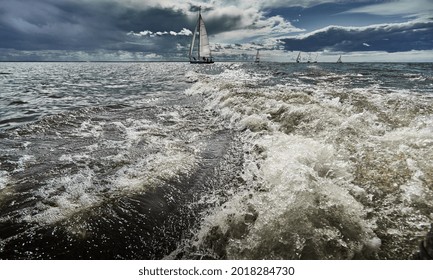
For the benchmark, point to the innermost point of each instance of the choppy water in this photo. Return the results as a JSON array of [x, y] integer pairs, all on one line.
[[235, 161]]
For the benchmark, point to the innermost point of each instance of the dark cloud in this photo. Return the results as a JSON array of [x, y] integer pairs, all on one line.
[[69, 25], [223, 23], [77, 25], [390, 38], [65, 25], [151, 19], [328, 13]]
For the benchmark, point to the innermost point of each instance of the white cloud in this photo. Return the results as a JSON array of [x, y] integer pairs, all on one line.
[[148, 33], [185, 32], [398, 7], [383, 26], [302, 3], [262, 29], [409, 56]]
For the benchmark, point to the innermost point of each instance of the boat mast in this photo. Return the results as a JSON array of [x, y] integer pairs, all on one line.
[[199, 32], [191, 48]]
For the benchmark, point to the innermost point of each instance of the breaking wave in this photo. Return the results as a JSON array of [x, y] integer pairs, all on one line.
[[330, 172]]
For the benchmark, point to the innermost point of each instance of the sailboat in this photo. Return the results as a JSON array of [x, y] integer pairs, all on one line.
[[315, 60], [298, 59], [339, 60], [203, 50], [257, 57], [309, 58]]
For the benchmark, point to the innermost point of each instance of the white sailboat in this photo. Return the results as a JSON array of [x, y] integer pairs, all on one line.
[[257, 57], [204, 55], [298, 59], [315, 60], [339, 60], [309, 58]]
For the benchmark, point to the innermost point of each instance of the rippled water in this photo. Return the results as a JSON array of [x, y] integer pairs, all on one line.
[[236, 161]]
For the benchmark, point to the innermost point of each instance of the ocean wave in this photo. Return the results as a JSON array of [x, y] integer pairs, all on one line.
[[326, 169], [253, 161]]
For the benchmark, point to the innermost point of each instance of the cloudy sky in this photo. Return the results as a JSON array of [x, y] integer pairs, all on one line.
[[361, 30]]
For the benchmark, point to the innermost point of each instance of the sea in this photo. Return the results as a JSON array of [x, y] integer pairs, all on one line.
[[234, 160]]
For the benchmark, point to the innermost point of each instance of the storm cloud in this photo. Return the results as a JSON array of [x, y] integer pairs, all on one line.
[[78, 25], [83, 25], [386, 37]]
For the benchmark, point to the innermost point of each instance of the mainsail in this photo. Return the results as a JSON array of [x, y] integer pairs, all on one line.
[[298, 59], [203, 49], [339, 60]]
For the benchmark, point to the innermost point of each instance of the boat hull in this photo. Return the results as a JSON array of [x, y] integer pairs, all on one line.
[[201, 62]]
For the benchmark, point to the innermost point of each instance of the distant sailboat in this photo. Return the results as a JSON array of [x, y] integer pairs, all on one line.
[[298, 59], [339, 60], [203, 49], [257, 57], [315, 60]]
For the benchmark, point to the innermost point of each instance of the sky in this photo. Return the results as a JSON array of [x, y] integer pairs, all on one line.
[[142, 30]]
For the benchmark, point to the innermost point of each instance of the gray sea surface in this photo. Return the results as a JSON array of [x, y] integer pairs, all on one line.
[[222, 161]]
